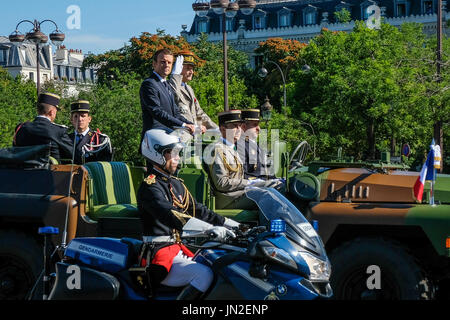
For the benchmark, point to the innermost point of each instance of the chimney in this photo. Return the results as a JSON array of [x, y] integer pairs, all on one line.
[[62, 54]]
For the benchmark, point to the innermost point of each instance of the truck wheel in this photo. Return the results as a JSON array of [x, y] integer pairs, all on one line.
[[377, 269], [21, 260]]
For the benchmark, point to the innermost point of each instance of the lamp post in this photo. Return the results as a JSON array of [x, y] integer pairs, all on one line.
[[37, 37], [438, 131], [262, 72], [228, 9]]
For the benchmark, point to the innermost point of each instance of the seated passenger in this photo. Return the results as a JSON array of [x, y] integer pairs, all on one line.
[[166, 205], [225, 168], [254, 159], [44, 131], [90, 145]]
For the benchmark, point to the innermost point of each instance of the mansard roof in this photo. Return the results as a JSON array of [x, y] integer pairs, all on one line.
[[273, 7]]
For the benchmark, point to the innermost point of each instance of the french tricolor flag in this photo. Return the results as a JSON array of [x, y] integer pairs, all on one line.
[[427, 173]]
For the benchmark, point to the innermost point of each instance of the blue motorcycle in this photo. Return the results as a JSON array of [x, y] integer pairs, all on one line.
[[283, 258]]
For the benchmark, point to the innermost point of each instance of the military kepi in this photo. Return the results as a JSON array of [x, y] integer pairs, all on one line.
[[250, 114], [229, 117], [80, 106], [188, 57], [49, 98]]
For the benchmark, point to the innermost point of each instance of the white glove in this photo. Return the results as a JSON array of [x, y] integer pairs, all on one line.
[[220, 233], [230, 223], [254, 181], [178, 66]]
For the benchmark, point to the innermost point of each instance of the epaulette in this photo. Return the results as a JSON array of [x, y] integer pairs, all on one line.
[[151, 179], [60, 125], [178, 178]]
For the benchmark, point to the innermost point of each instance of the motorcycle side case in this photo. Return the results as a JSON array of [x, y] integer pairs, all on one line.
[[106, 254], [74, 282]]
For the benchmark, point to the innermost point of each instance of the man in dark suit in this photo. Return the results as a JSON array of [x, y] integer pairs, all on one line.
[[44, 131], [159, 110], [90, 145]]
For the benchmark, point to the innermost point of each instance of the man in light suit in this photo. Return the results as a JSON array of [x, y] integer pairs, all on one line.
[[185, 98], [159, 110], [225, 167]]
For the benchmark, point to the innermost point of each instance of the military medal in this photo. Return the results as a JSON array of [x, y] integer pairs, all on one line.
[[150, 179]]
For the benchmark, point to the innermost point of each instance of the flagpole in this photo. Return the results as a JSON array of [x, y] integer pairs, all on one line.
[[432, 187]]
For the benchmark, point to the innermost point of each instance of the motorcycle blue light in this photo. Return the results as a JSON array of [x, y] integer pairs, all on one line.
[[48, 230], [277, 226]]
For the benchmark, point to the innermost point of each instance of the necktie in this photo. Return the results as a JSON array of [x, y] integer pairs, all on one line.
[[166, 84], [79, 137]]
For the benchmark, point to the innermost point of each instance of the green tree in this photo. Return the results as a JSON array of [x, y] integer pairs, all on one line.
[[116, 111], [343, 16], [17, 104], [208, 80], [367, 89]]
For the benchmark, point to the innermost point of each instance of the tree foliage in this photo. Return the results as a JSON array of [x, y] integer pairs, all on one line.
[[368, 89], [17, 104]]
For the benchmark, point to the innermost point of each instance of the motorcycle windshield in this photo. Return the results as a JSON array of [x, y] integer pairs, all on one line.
[[273, 205]]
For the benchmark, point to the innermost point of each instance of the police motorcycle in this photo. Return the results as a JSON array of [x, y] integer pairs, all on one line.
[[284, 258]]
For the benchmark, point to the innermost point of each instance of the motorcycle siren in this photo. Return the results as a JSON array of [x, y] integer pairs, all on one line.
[[156, 142]]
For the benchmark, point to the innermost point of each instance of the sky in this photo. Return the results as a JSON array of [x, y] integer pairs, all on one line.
[[97, 26]]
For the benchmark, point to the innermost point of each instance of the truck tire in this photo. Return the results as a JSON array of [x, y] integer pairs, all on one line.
[[377, 269], [21, 262]]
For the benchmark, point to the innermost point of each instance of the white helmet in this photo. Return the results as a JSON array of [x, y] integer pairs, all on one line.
[[156, 142]]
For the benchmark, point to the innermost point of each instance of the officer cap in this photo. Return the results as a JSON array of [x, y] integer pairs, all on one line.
[[250, 114], [80, 106], [229, 117], [188, 57], [49, 98]]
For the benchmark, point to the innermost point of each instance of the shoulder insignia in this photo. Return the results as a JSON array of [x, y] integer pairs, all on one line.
[[178, 178], [60, 125], [90, 133], [151, 179]]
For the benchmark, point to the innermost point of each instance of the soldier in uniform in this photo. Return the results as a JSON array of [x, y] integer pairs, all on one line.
[[42, 130], [90, 145], [226, 169], [185, 98], [166, 205], [254, 159]]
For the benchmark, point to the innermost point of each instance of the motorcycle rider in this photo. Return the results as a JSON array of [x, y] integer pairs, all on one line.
[[166, 205]]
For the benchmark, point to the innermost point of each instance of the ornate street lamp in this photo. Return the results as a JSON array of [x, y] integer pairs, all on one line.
[[266, 110], [37, 37], [262, 72], [228, 9]]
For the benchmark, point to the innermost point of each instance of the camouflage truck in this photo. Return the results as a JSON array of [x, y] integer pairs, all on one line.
[[382, 244]]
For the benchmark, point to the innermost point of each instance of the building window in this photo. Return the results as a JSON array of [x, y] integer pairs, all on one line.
[[229, 24], [202, 26], [364, 6], [427, 7], [259, 19], [310, 15], [310, 18], [31, 76], [2, 56], [284, 17], [285, 20], [401, 8]]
